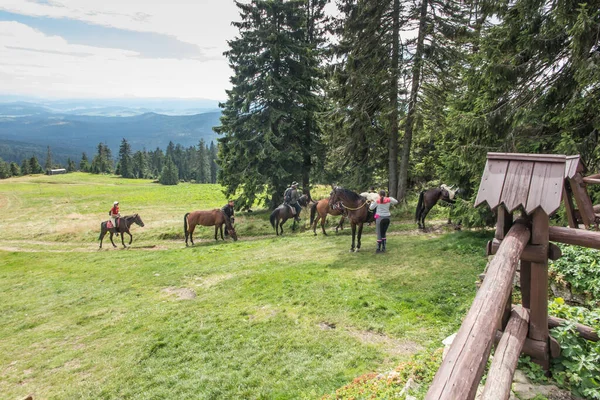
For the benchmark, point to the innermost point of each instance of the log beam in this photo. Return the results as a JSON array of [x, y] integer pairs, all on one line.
[[532, 252], [584, 331], [578, 237], [506, 357], [462, 369]]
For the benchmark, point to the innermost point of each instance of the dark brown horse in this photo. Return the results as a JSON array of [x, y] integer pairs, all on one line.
[[284, 212], [214, 217], [123, 225], [428, 199], [321, 208], [356, 208]]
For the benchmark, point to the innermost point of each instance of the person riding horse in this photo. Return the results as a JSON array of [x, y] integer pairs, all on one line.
[[290, 198], [114, 215], [229, 210]]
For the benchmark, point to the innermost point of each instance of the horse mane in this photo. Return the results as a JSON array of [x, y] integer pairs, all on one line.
[[349, 194]]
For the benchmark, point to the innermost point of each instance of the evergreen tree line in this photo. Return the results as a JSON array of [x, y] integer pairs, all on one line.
[[193, 164], [398, 93]]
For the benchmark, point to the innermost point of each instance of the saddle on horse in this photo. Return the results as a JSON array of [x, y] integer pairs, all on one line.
[[109, 223]]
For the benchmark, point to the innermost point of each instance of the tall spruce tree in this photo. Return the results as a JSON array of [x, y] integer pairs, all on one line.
[[25, 169], [359, 135], [169, 174], [84, 164], [125, 161], [533, 85], [34, 166], [269, 111], [48, 164]]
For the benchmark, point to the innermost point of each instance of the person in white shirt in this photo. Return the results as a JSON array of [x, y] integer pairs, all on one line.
[[382, 216]]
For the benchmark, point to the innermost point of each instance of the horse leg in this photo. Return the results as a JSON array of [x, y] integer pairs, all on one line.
[[191, 228], [315, 224], [111, 238], [425, 212], [221, 230], [130, 238], [216, 231], [360, 229], [340, 224], [102, 234], [353, 236], [123, 239], [323, 225]]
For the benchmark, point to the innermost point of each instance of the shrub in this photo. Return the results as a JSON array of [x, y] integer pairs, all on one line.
[[579, 269]]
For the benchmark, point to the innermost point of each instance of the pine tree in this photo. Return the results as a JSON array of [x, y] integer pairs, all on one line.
[[25, 169], [169, 174], [125, 162], [48, 164], [4, 169], [14, 169], [102, 162], [34, 166], [71, 165], [84, 165], [214, 164], [202, 173], [267, 119], [140, 165]]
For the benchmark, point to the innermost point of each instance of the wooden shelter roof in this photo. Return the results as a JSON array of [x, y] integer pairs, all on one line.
[[523, 180], [573, 166]]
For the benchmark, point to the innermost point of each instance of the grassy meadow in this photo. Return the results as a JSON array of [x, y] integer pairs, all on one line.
[[265, 317]]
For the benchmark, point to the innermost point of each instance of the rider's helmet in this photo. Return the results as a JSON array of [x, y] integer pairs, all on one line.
[[115, 203]]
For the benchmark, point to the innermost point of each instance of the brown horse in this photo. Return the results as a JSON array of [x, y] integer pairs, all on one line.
[[214, 217], [284, 212], [123, 225], [429, 198], [321, 208], [356, 208]]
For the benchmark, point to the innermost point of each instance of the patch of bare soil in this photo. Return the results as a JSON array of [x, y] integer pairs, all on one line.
[[392, 346], [180, 293]]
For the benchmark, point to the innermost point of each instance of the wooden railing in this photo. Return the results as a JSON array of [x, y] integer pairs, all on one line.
[[462, 369]]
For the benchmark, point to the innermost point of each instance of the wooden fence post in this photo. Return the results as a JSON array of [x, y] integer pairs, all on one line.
[[538, 318]]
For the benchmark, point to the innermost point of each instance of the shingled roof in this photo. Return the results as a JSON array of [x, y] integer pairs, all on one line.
[[523, 180]]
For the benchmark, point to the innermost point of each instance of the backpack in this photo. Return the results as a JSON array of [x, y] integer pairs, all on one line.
[[287, 196]]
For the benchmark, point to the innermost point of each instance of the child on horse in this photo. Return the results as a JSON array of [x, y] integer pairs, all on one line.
[[114, 214]]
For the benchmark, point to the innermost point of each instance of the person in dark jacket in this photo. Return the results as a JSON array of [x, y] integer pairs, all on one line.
[[291, 197], [229, 210]]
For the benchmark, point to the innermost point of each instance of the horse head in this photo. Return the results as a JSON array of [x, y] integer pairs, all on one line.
[[138, 220], [230, 229]]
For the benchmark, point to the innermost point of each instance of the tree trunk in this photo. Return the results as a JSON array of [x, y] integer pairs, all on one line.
[[393, 139], [412, 105]]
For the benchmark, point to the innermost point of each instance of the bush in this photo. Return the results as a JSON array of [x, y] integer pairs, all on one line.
[[578, 367], [579, 269]]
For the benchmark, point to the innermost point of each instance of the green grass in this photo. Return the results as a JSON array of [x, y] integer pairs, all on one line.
[[292, 317]]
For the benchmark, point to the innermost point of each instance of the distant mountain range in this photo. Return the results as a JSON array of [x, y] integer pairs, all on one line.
[[70, 128]]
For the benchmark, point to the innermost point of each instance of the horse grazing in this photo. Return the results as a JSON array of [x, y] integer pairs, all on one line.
[[284, 212], [320, 209], [123, 225], [356, 208], [214, 217], [429, 198]]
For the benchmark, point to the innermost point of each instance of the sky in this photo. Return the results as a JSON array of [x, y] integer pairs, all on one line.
[[116, 48]]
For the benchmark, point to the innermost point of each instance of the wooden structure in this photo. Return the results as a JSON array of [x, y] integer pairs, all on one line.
[[534, 185]]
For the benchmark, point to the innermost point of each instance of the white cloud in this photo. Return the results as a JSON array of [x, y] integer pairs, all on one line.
[[36, 64], [206, 23]]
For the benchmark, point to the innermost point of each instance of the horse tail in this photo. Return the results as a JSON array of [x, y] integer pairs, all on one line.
[[272, 218], [185, 224], [419, 206], [102, 232], [313, 210]]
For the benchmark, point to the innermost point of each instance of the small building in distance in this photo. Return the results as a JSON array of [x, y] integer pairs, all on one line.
[[56, 171]]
